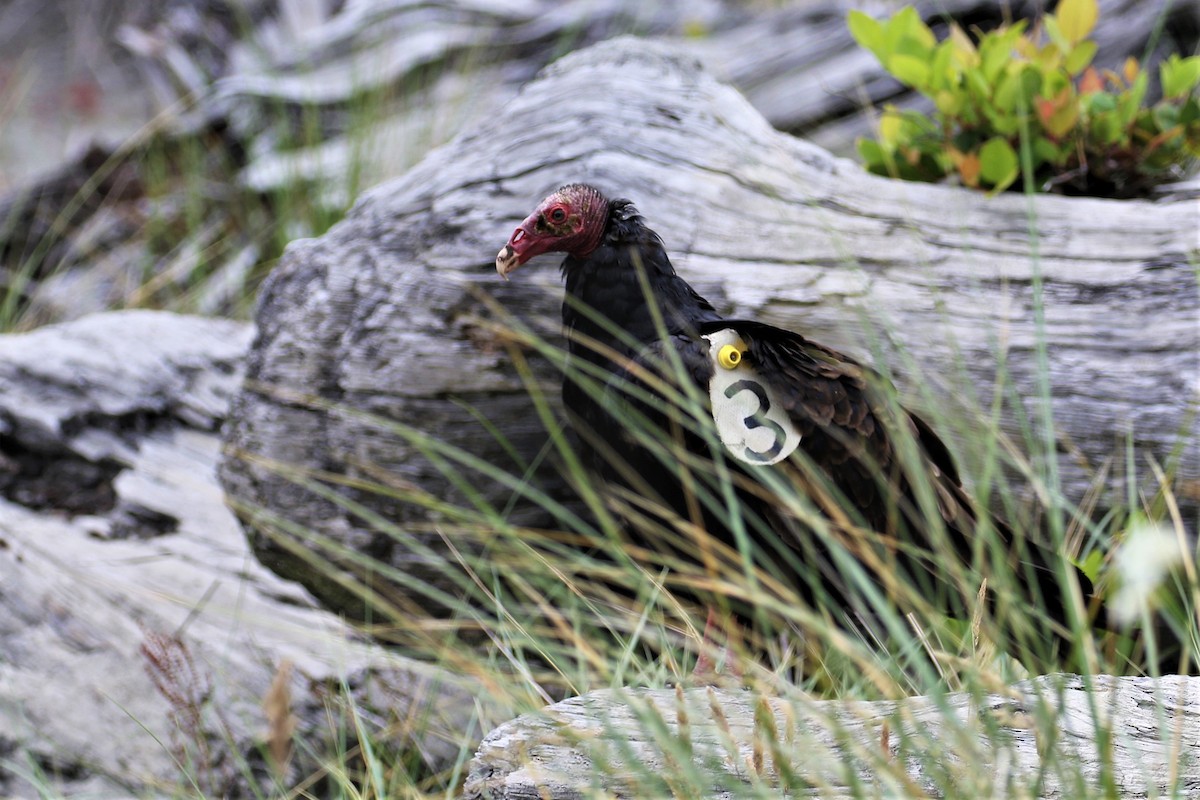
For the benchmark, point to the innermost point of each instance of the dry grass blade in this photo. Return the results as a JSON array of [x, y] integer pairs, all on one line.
[[281, 722]]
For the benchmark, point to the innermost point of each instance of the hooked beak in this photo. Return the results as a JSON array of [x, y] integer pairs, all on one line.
[[507, 260], [521, 247]]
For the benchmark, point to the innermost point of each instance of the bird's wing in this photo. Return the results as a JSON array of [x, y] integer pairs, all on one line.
[[789, 394], [835, 405], [876, 471], [861, 440]]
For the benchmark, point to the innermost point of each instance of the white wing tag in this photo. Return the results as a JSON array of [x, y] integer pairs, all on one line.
[[750, 419]]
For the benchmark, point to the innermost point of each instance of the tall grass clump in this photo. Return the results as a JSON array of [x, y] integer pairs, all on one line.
[[615, 590]]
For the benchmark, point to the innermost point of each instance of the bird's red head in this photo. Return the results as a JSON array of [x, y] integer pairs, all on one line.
[[571, 220]]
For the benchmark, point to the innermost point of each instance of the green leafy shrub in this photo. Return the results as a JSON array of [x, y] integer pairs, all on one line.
[[1090, 132]]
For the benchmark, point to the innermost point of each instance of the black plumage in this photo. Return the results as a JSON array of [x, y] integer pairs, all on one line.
[[633, 323]]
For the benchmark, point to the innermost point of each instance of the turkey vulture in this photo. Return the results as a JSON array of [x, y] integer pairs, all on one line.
[[785, 409]]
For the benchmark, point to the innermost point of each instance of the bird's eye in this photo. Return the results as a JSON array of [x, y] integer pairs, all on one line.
[[558, 215]]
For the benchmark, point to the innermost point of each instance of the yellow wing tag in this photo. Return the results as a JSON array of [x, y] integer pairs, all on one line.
[[750, 420]]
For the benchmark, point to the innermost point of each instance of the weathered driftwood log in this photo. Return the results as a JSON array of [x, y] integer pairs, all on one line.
[[382, 314], [138, 636], [1041, 738], [796, 63]]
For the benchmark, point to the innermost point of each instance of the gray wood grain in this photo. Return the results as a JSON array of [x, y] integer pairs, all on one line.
[[138, 635], [1035, 739]]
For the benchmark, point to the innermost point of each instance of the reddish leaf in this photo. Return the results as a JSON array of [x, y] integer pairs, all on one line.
[[1130, 69], [1058, 115], [1090, 81], [1045, 111], [968, 169]]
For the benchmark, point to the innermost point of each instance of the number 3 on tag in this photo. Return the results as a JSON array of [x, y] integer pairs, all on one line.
[[751, 422]]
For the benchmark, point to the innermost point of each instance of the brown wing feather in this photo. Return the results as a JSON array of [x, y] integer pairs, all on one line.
[[849, 434], [850, 429]]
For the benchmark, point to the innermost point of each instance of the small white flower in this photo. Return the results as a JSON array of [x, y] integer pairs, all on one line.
[[1142, 561]]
